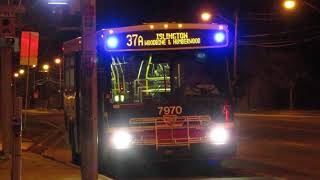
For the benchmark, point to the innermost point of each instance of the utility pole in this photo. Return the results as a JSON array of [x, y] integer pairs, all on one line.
[[5, 98], [88, 91], [235, 45], [60, 86], [16, 168], [7, 34], [235, 53]]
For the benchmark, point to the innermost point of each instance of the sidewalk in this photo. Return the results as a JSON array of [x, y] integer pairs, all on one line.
[[36, 167]]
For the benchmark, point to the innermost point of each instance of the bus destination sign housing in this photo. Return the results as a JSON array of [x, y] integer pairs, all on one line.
[[148, 38]]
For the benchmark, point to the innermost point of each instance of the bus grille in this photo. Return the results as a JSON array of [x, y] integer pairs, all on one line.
[[170, 130]]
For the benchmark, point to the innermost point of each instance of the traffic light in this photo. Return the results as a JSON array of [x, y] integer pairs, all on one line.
[[13, 42], [7, 27]]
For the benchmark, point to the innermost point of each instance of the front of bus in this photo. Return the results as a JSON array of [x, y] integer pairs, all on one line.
[[167, 93]]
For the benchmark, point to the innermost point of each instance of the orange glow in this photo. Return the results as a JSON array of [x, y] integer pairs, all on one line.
[[21, 71], [289, 4], [57, 61], [205, 16], [45, 67]]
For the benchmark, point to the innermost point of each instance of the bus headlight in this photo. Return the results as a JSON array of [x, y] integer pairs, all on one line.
[[121, 140], [219, 135]]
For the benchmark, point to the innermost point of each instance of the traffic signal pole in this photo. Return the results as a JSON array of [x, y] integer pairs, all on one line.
[[88, 93]]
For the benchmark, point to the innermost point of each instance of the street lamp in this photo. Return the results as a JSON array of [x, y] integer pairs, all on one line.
[[58, 62], [45, 67], [21, 71], [289, 4], [206, 16], [16, 75]]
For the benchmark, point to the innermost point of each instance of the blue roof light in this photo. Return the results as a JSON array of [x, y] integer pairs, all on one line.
[[112, 42], [219, 37]]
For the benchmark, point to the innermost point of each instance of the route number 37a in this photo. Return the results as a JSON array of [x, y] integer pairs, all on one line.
[[170, 110]]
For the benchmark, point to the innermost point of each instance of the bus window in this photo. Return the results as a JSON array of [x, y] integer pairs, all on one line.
[[137, 77]]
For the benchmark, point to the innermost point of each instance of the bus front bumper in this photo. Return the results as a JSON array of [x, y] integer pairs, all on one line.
[[194, 152]]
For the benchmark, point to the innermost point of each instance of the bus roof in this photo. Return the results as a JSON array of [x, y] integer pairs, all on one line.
[[164, 26]]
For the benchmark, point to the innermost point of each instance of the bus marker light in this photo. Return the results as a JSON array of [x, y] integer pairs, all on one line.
[[112, 42], [219, 37]]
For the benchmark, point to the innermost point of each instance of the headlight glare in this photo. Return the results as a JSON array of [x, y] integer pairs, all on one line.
[[121, 140], [219, 135]]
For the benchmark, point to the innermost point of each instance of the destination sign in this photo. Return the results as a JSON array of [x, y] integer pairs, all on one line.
[[166, 40]]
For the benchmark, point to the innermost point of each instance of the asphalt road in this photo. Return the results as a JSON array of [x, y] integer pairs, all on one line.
[[276, 144], [280, 144]]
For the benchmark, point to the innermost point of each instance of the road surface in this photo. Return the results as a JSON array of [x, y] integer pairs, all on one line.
[[277, 144]]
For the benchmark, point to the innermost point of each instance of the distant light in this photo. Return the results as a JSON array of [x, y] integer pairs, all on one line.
[[220, 27], [57, 61], [205, 16], [219, 37], [166, 26], [21, 71], [112, 42], [111, 31], [16, 75], [151, 26], [289, 4], [34, 65], [180, 25], [45, 67]]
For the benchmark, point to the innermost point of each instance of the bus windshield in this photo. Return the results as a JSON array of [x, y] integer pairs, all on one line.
[[159, 76]]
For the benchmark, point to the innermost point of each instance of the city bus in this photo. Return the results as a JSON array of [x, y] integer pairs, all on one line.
[[163, 93]]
